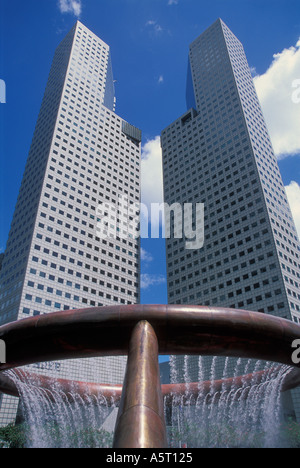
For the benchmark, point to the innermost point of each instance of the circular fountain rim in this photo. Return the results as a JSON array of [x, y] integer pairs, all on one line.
[[170, 392], [180, 329]]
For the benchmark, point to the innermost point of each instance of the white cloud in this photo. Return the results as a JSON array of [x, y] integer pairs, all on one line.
[[151, 172], [293, 194], [173, 2], [70, 6], [148, 280], [275, 91], [161, 79], [146, 256], [152, 186]]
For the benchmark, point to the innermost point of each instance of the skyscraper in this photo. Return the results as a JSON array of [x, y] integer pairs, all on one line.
[[83, 156], [219, 153]]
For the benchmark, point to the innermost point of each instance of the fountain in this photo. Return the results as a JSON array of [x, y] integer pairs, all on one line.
[[143, 332]]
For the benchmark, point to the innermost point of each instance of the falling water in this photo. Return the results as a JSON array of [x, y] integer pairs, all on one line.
[[56, 420], [244, 415]]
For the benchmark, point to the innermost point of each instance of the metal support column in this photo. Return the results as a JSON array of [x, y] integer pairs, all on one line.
[[141, 422]]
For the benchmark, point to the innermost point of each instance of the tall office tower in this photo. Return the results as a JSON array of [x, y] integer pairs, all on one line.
[[83, 156], [219, 153]]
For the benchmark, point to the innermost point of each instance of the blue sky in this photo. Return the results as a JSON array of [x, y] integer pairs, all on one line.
[[149, 42]]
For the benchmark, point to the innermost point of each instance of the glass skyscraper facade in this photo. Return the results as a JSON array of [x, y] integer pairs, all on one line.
[[83, 156], [219, 153]]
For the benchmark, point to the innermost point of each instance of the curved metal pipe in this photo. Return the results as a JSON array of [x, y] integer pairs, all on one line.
[[181, 330], [113, 393]]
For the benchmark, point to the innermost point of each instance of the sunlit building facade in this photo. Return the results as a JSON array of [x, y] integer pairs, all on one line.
[[219, 153], [82, 156]]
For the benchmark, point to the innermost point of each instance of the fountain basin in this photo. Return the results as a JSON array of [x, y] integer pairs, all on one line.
[[130, 330]]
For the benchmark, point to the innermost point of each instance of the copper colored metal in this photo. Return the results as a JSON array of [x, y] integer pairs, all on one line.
[[173, 394], [180, 330], [111, 394], [291, 381], [106, 331], [140, 422], [180, 394], [8, 386]]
